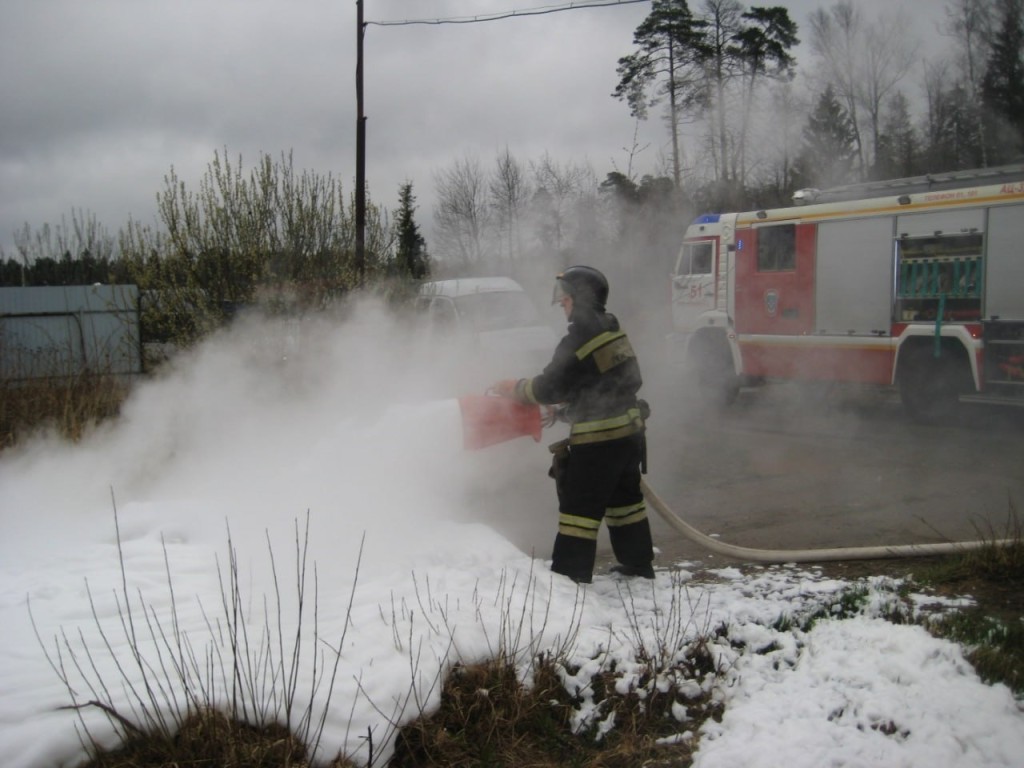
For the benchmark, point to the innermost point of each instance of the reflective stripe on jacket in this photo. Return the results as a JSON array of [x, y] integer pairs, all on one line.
[[600, 430], [594, 371]]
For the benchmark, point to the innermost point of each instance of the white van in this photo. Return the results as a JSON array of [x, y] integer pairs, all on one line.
[[493, 322]]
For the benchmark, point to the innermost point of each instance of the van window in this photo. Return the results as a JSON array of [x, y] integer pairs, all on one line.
[[494, 310], [776, 248], [442, 313]]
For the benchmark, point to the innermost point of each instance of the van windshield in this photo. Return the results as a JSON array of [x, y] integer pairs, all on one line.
[[494, 310]]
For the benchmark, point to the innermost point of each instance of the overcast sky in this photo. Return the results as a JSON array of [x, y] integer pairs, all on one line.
[[100, 98]]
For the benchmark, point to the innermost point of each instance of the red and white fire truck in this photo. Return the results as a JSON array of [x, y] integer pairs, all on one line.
[[916, 283]]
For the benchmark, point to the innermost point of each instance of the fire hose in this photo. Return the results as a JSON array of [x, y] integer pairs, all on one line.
[[808, 555]]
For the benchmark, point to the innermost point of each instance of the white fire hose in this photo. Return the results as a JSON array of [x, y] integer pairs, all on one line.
[[808, 555]]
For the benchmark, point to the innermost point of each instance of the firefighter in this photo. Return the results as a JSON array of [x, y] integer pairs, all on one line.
[[593, 379]]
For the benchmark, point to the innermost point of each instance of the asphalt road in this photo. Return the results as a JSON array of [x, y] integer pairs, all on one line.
[[795, 467], [785, 467]]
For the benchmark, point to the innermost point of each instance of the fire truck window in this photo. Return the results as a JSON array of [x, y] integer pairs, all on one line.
[[776, 248], [696, 259]]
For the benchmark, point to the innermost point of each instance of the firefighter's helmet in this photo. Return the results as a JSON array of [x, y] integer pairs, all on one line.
[[586, 286]]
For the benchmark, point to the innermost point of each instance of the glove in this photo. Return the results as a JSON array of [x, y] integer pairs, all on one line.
[[504, 388], [550, 414]]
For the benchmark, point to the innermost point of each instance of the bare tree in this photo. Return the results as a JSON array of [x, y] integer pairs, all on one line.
[[462, 213], [969, 24], [722, 18], [762, 48], [835, 39], [863, 62], [951, 122], [561, 190], [633, 151], [743, 49], [889, 54], [509, 193], [936, 75], [83, 238], [775, 173]]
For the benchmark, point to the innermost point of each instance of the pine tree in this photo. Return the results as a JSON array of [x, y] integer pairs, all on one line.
[[763, 50], [829, 144], [898, 150], [412, 255], [667, 64], [1002, 87], [700, 65]]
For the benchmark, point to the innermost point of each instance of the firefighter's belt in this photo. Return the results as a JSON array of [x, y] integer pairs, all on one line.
[[600, 430], [560, 448]]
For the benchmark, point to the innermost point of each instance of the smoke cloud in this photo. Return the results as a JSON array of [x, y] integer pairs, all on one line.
[[355, 423]]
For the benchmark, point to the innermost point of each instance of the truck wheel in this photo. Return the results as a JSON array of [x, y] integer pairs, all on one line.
[[930, 387], [716, 383]]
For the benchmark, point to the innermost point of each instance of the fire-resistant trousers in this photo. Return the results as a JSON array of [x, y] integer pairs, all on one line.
[[601, 481]]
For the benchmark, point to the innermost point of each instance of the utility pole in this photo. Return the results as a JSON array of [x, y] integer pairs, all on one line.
[[360, 152]]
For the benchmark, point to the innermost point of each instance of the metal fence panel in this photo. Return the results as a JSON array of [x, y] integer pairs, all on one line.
[[67, 330]]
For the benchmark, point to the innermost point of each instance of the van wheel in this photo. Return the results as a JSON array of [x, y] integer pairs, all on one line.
[[716, 383], [930, 387]]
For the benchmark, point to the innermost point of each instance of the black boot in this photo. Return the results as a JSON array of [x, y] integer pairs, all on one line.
[[645, 571], [579, 578]]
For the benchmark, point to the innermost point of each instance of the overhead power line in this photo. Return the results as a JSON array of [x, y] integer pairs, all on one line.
[[540, 11]]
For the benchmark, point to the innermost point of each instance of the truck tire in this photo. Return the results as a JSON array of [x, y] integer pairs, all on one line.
[[713, 375], [930, 387]]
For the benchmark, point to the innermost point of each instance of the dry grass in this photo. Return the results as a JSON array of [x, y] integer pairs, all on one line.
[[68, 406], [234, 701], [991, 632], [211, 739], [496, 713], [995, 562], [488, 716]]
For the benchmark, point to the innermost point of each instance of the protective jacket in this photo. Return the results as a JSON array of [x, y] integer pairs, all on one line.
[[594, 372]]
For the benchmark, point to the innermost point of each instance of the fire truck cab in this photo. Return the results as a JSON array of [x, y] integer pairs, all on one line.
[[916, 283]]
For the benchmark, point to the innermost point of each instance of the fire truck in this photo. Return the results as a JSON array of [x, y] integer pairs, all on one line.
[[913, 283]]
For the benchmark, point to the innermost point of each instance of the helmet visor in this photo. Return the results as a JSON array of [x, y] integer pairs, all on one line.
[[560, 291]]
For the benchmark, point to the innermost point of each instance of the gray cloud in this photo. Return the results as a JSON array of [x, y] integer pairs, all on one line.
[[101, 98]]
